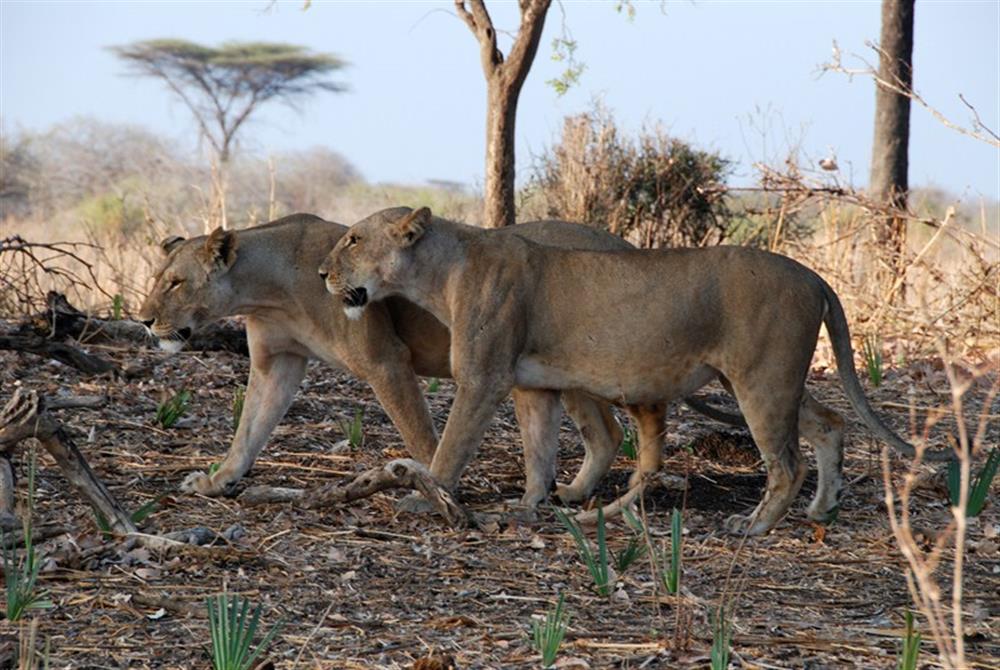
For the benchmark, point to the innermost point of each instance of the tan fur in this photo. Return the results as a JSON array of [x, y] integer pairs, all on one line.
[[269, 275], [639, 328]]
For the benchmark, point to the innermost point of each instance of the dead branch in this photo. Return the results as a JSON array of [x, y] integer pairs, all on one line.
[[25, 417], [23, 264], [978, 131], [927, 593], [402, 473], [265, 495]]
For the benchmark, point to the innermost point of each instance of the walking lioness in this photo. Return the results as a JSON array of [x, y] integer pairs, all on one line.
[[638, 328], [268, 273]]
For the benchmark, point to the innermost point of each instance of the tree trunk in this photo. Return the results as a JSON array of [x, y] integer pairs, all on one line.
[[504, 79], [890, 147], [501, 113]]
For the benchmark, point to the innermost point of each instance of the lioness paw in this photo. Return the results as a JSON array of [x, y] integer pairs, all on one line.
[[739, 524], [568, 493], [199, 482], [414, 504]]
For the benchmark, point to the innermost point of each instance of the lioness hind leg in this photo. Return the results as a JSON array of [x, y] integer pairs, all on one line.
[[650, 420], [824, 429], [773, 421], [538, 415], [601, 436]]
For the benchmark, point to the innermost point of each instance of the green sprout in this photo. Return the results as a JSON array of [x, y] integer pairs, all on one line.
[[233, 633], [548, 635]]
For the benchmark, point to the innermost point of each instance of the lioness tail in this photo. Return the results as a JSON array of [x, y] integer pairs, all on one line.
[[840, 336]]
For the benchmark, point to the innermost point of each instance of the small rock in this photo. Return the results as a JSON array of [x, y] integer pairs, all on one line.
[[987, 548], [537, 542], [349, 575]]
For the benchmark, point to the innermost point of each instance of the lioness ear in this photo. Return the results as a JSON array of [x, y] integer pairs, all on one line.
[[170, 243], [220, 248], [407, 230]]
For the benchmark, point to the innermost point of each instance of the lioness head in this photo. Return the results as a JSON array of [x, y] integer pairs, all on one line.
[[373, 257], [192, 288]]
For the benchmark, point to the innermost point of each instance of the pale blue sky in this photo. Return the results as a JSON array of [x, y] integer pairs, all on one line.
[[416, 106]]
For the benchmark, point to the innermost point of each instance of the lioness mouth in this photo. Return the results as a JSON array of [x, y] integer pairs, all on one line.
[[356, 297]]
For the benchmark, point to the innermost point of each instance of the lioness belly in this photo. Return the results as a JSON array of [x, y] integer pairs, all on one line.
[[651, 383]]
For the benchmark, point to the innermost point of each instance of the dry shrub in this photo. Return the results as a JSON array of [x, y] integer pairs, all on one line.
[[654, 190], [945, 288]]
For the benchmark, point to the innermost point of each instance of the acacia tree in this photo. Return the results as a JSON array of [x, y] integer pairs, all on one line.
[[223, 86], [890, 147], [504, 79]]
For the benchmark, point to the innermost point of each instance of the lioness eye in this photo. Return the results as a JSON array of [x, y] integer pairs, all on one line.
[[352, 240], [174, 283]]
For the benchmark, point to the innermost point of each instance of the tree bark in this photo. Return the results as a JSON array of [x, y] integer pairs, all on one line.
[[501, 112], [890, 146], [504, 79]]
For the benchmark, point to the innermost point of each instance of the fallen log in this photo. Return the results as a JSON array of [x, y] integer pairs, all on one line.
[[64, 353], [61, 320]]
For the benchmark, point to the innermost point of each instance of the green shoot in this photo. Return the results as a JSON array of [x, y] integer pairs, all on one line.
[[213, 468], [116, 307], [232, 632], [629, 442], [147, 508], [636, 547], [909, 651], [433, 385], [597, 564], [871, 349], [21, 577], [548, 635], [672, 571], [354, 431], [239, 396], [137, 516], [978, 489], [633, 551], [170, 411], [722, 631]]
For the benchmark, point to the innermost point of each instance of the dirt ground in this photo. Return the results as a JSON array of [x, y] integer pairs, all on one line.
[[366, 587]]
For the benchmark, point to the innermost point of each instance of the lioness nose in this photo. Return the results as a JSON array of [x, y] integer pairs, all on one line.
[[148, 322], [323, 274]]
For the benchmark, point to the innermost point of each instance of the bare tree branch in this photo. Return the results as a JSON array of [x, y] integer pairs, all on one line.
[[980, 131]]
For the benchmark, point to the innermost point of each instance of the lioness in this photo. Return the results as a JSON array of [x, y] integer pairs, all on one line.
[[268, 273], [639, 328]]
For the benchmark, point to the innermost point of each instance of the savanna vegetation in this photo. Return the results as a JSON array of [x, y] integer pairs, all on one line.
[[122, 570]]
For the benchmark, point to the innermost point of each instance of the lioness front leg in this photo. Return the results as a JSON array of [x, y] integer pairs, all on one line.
[[474, 406], [398, 391], [274, 379]]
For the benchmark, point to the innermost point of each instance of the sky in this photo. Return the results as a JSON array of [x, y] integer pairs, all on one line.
[[740, 77]]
